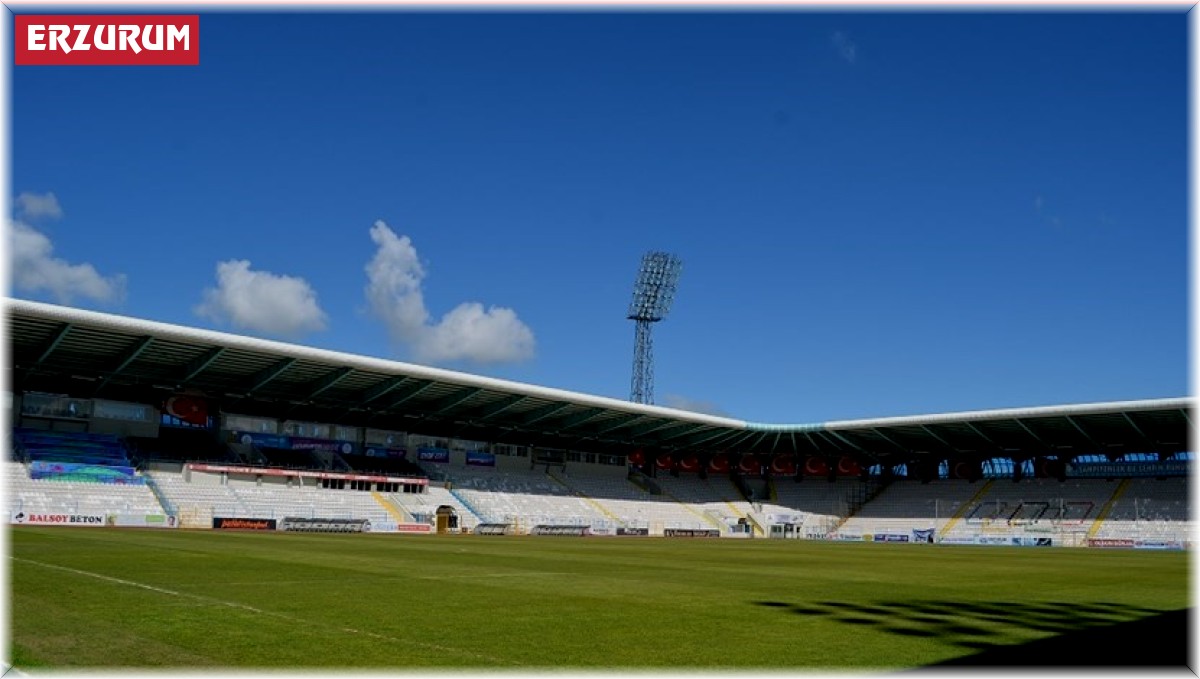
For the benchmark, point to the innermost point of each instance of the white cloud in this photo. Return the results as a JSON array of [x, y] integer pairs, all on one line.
[[36, 269], [261, 301], [467, 332], [36, 206], [685, 403], [845, 47]]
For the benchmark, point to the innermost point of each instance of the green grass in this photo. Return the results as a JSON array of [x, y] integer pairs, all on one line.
[[182, 599]]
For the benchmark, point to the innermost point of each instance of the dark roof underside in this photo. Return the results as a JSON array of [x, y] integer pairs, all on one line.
[[124, 359]]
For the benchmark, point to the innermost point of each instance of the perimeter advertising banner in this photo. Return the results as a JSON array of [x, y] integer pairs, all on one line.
[[479, 459], [298, 443], [234, 523], [315, 525], [1110, 542], [560, 530], [691, 533], [1128, 469], [386, 452], [413, 528], [1157, 544], [433, 455], [38, 519], [142, 521], [258, 439], [83, 472]]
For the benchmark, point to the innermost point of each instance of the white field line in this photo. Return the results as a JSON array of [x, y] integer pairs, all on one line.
[[347, 581], [481, 576], [252, 609]]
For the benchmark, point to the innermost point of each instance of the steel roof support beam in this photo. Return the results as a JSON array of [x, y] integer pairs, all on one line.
[[454, 399], [868, 454], [494, 409], [53, 343], [1046, 447], [578, 419], [328, 381], [544, 412], [129, 357], [828, 437], [889, 439], [409, 392], [953, 450], [705, 428], [1096, 446], [700, 436], [652, 427], [979, 432], [595, 433], [737, 441], [760, 439], [775, 445], [381, 389], [266, 375], [1148, 441], [812, 442], [197, 365]]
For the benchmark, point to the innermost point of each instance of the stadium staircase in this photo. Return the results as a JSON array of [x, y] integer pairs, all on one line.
[[772, 495], [644, 482], [748, 516], [586, 498], [167, 505], [703, 515], [461, 500], [857, 502], [1104, 511], [394, 510], [966, 506]]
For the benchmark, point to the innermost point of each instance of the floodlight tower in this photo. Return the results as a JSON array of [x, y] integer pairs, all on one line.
[[653, 292]]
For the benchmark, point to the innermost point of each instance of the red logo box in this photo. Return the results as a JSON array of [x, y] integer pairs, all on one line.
[[106, 39]]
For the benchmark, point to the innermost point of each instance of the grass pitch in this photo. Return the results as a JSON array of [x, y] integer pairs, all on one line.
[[103, 598]]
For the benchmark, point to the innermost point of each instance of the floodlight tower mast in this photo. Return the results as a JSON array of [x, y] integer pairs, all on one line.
[[653, 292]]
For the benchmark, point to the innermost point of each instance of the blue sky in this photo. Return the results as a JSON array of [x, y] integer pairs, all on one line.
[[878, 214]]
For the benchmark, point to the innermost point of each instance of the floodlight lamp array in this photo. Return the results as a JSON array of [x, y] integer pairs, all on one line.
[[654, 289]]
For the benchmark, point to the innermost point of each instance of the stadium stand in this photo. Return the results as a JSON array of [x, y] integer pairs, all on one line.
[[905, 505], [423, 506], [290, 459], [180, 444], [824, 505], [396, 466], [276, 501], [70, 447], [198, 499], [1150, 509], [714, 500], [626, 504], [40, 496], [522, 498], [1041, 507]]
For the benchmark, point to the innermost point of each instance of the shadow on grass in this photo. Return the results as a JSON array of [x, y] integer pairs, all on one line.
[[991, 633], [1159, 640]]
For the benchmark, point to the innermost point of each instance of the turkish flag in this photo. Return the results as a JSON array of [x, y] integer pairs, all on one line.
[[189, 409]]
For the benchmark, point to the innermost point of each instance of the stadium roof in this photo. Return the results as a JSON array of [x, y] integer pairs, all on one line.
[[83, 353]]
